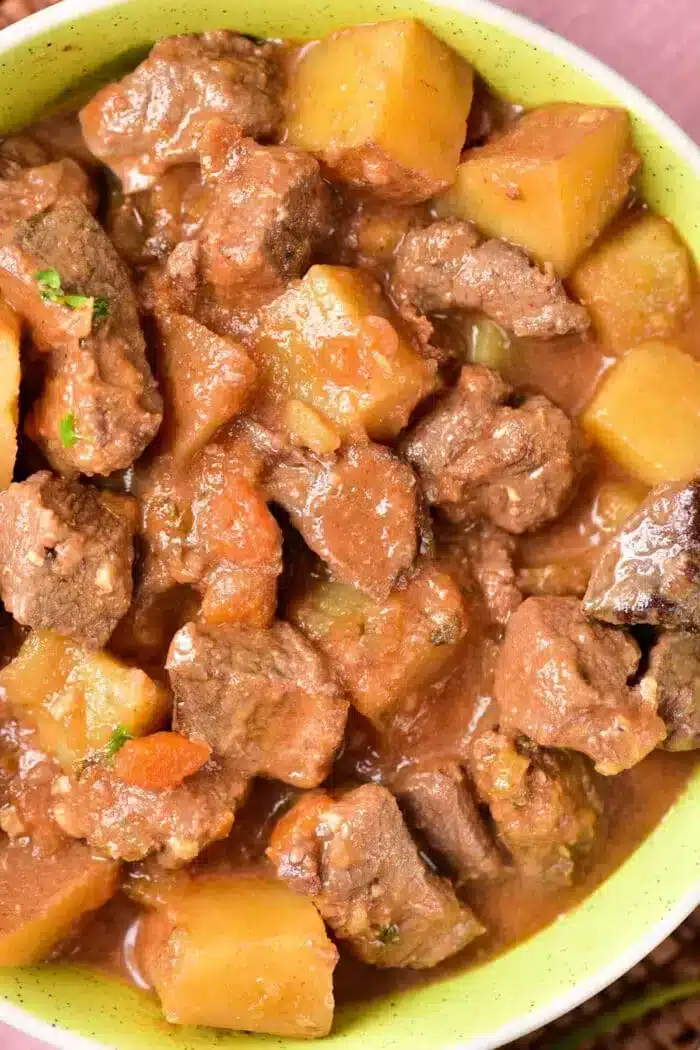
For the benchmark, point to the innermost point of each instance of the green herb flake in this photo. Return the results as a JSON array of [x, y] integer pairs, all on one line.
[[100, 309], [119, 737], [388, 934], [51, 290], [74, 302], [49, 282], [66, 430]]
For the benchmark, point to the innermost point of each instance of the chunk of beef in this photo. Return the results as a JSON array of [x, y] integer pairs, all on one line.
[[650, 571], [386, 652], [544, 803], [26, 776], [128, 823], [154, 117], [368, 231], [672, 683], [61, 136], [356, 860], [483, 554], [267, 209], [479, 457], [260, 697], [563, 681], [65, 558], [209, 528], [440, 803], [30, 182], [145, 227], [447, 266], [97, 377], [358, 511]]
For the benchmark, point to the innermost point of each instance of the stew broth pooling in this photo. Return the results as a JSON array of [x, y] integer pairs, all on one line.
[[350, 537]]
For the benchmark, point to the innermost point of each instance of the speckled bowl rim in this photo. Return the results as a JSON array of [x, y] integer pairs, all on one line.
[[651, 893]]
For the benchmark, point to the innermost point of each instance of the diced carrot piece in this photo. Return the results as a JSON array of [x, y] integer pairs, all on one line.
[[160, 761], [237, 525]]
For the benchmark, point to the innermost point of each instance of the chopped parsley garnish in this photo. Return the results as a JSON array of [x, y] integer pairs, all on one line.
[[100, 309], [388, 934], [119, 737], [66, 430], [49, 282], [51, 291]]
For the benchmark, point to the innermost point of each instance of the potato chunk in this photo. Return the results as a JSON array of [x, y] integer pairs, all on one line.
[[76, 699], [384, 651], [637, 284], [550, 183], [9, 391], [331, 342], [42, 897], [662, 441], [385, 107], [241, 952]]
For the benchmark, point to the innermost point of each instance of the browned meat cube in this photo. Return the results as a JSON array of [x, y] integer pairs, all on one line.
[[358, 511], [562, 681], [260, 697], [155, 116], [440, 803], [62, 136], [147, 226], [31, 181], [479, 457], [650, 571], [267, 209], [356, 860], [447, 266], [673, 684], [368, 231], [483, 554], [385, 652], [209, 529], [99, 406], [65, 558], [128, 823], [544, 803]]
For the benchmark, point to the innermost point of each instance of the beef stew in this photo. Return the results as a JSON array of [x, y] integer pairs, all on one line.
[[349, 522]]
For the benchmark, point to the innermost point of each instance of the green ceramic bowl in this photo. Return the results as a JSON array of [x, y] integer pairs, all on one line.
[[80, 43]]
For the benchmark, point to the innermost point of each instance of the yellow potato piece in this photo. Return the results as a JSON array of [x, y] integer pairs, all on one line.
[[42, 897], [331, 342], [550, 183], [614, 502], [383, 652], [637, 284], [646, 414], [307, 429], [9, 391], [384, 106], [76, 698], [241, 952]]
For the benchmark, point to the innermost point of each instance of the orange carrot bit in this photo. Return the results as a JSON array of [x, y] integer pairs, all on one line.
[[159, 761]]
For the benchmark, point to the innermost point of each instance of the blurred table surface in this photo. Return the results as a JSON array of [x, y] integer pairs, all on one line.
[[655, 44]]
